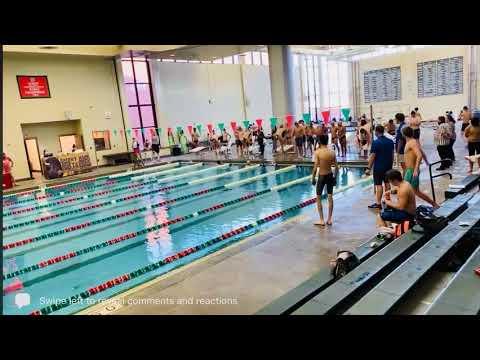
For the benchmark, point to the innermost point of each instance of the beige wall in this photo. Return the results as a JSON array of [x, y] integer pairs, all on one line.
[[86, 86], [430, 107], [48, 133]]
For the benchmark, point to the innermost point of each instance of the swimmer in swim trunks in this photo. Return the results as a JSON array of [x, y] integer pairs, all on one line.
[[298, 133], [403, 209], [413, 159], [309, 132], [324, 160]]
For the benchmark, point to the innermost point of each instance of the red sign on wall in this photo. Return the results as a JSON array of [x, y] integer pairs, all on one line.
[[32, 87]]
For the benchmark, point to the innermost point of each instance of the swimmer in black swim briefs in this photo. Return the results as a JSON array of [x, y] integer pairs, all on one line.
[[325, 180]]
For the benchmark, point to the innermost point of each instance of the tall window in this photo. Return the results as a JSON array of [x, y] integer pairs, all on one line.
[[326, 85], [139, 96]]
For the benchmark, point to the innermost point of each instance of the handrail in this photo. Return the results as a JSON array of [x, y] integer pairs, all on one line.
[[438, 175]]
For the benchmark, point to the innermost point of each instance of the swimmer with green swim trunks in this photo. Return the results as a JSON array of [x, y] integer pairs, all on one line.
[[413, 159]]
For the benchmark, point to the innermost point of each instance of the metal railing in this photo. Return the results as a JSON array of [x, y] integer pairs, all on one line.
[[438, 175]]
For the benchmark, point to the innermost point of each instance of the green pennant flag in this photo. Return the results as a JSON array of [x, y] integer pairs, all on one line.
[[346, 113], [199, 128], [179, 128], [129, 132], [143, 131], [246, 123], [221, 126], [307, 118], [159, 131], [115, 132], [273, 122]]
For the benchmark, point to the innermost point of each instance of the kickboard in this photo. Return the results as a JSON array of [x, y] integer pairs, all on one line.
[[198, 149]]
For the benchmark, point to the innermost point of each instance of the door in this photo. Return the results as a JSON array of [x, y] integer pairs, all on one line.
[[33, 155]]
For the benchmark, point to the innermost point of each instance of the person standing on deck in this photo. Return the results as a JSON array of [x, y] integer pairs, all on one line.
[[324, 160], [413, 159], [381, 158]]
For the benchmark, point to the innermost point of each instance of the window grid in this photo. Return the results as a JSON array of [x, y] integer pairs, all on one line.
[[138, 105]]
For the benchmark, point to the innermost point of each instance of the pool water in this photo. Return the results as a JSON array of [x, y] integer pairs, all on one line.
[[28, 274]]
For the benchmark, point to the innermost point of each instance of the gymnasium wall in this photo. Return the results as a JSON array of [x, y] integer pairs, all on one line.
[[191, 94], [84, 85], [429, 107]]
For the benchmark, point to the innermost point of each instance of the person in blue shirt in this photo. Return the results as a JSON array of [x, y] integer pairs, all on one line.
[[400, 141], [381, 158]]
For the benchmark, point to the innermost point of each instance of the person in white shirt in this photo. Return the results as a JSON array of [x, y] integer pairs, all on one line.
[[442, 140], [155, 146]]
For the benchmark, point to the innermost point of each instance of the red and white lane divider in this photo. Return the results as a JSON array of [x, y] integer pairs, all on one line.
[[167, 170], [152, 267], [134, 234], [170, 259], [99, 193]]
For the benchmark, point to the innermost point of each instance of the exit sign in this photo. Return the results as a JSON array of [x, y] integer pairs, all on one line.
[[32, 87]]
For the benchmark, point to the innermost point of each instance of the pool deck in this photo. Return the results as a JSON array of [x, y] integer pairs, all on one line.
[[249, 274], [252, 272]]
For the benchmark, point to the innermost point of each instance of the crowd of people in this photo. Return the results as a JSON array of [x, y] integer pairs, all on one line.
[[400, 140]]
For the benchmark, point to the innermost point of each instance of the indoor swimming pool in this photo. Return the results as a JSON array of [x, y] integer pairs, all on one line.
[[67, 247]]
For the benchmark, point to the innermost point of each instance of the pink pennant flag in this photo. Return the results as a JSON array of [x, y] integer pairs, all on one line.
[[326, 116], [233, 124], [289, 119], [190, 129], [259, 122], [210, 128]]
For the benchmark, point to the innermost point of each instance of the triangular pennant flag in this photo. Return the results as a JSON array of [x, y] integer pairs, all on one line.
[[259, 122], [346, 113], [246, 123], [326, 116], [152, 131], [115, 132], [129, 132], [121, 132], [289, 119], [199, 128], [190, 129], [169, 131], [143, 131], [307, 118], [233, 124], [179, 128], [159, 131], [221, 126], [273, 122], [210, 128]]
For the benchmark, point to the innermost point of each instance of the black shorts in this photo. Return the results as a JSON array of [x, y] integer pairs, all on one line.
[[238, 142], [464, 126], [299, 141], [311, 140], [325, 180], [156, 148], [416, 133], [473, 147], [379, 177]]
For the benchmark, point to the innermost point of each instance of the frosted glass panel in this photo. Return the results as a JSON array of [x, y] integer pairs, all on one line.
[[133, 117], [141, 73], [127, 71], [130, 94], [144, 96], [147, 116]]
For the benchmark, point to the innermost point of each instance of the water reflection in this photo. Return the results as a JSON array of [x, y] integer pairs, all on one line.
[[159, 243]]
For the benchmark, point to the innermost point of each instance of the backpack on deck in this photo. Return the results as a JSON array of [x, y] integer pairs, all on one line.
[[428, 221], [345, 262]]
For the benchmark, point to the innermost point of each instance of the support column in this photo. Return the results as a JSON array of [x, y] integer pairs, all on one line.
[[281, 68]]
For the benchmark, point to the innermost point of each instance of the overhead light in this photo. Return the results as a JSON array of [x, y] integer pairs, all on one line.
[[172, 54], [159, 59]]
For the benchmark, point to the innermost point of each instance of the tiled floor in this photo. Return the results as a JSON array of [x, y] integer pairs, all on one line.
[[243, 278]]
